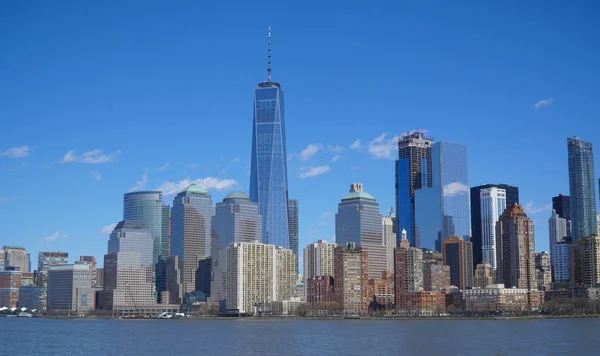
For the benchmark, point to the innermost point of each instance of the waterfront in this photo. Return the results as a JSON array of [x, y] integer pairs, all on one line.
[[299, 337]]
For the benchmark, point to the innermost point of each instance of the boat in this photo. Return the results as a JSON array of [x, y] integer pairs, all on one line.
[[11, 316], [25, 315]]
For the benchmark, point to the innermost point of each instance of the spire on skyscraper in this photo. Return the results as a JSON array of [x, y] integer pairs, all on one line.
[[269, 61]]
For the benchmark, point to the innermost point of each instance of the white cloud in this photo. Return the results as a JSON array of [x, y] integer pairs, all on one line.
[[140, 184], [96, 175], [334, 149], [336, 158], [383, 147], [163, 167], [356, 145], [543, 103], [455, 188], [55, 236], [171, 188], [191, 166], [236, 160], [314, 171], [531, 208], [16, 152], [91, 157], [107, 229], [310, 150], [325, 215]]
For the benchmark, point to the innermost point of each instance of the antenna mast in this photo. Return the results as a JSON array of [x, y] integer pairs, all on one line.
[[269, 63]]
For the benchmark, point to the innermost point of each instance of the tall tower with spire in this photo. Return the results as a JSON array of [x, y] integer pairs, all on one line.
[[268, 167]]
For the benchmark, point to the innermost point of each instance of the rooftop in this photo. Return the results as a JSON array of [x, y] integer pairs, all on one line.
[[356, 195], [195, 189], [237, 195]]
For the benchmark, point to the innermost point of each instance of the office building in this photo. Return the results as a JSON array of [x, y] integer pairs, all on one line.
[[15, 256], [561, 263], [492, 205], [413, 172], [173, 279], [443, 209], [358, 220], [10, 282], [512, 197], [45, 261], [236, 220], [562, 204], [99, 277], [408, 268], [318, 259], [191, 222], [351, 278], [27, 279], [585, 260], [389, 238], [29, 297], [458, 254], [582, 188], [544, 270], [484, 276], [516, 252], [91, 262], [70, 289], [203, 276], [258, 274], [268, 165], [436, 276], [293, 221], [133, 236]]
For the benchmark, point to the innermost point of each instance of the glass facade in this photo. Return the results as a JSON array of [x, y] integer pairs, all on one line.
[[45, 261], [493, 203], [268, 167], [236, 220], [293, 221], [191, 231], [443, 209], [132, 236], [582, 188]]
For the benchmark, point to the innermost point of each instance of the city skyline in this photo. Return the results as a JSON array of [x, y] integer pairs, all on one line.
[[98, 167]]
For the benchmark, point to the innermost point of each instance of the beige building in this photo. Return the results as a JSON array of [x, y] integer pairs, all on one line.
[[585, 259], [15, 256], [495, 298], [351, 279], [389, 238], [318, 259], [70, 289], [258, 274], [484, 276]]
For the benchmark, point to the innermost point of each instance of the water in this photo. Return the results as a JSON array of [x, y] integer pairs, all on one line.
[[299, 337]]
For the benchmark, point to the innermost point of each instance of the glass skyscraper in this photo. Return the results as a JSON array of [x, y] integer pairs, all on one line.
[[191, 231], [443, 209], [236, 220], [582, 188], [293, 221], [413, 172], [268, 167], [132, 236]]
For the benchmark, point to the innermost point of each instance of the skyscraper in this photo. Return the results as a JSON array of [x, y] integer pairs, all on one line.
[[351, 279], [413, 171], [236, 220], [582, 187], [191, 231], [458, 254], [557, 228], [512, 197], [16, 256], [493, 203], [293, 221], [358, 220], [45, 261], [389, 238], [318, 259], [132, 236], [70, 288], [443, 209], [516, 249], [268, 166], [408, 268], [91, 262], [562, 205]]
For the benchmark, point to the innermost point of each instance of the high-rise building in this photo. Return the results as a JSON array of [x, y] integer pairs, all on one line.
[[358, 220], [191, 222], [558, 231], [293, 221], [133, 236], [318, 259], [258, 274], [585, 260], [236, 220], [70, 289], [443, 209], [29, 297], [351, 279], [582, 188], [562, 205], [99, 277], [408, 268], [2, 260], [436, 276], [203, 276], [458, 254], [45, 261], [493, 203], [10, 282], [484, 275], [516, 249], [16, 256], [561, 263], [319, 289], [512, 197], [91, 262], [268, 166], [413, 172], [544, 270], [389, 238], [173, 279]]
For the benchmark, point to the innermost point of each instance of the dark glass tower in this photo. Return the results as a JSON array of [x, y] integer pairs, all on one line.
[[582, 187], [562, 205], [413, 172], [268, 169], [512, 197], [293, 220]]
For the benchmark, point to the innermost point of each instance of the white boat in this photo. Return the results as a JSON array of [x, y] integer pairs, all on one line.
[[25, 315], [11, 316]]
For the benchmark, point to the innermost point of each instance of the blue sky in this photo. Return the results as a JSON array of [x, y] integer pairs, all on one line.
[[100, 98]]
